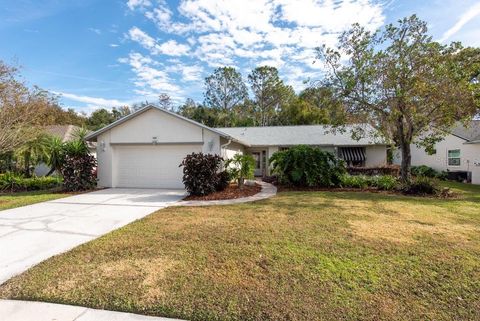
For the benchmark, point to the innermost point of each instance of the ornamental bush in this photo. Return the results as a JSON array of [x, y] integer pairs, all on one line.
[[200, 173], [78, 171], [223, 179], [307, 166], [241, 167]]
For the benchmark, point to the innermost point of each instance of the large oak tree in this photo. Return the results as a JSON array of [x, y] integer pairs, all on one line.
[[412, 89]]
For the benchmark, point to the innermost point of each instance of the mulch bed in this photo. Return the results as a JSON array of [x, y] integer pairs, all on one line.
[[231, 192]]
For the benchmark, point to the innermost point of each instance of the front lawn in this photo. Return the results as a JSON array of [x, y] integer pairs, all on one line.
[[26, 198], [297, 256]]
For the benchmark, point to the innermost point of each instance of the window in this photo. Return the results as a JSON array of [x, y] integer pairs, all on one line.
[[454, 157]]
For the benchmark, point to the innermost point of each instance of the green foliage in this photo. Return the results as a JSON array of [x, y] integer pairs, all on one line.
[[32, 152], [421, 185], [385, 182], [200, 173], [10, 182], [269, 94], [398, 78], [225, 89], [355, 181], [103, 117], [241, 167], [427, 171], [307, 166], [381, 182]]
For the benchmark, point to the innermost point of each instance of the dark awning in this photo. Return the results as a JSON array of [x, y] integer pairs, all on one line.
[[354, 154]]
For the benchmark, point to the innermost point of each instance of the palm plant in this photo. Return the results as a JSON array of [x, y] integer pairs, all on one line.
[[33, 152], [55, 154], [241, 167]]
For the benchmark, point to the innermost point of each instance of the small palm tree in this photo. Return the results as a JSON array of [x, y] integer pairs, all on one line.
[[55, 154], [241, 167], [33, 152]]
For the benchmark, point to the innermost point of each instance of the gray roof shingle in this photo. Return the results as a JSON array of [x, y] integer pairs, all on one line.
[[471, 132], [320, 135]]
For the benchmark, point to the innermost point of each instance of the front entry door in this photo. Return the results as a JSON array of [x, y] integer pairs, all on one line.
[[260, 158], [258, 163]]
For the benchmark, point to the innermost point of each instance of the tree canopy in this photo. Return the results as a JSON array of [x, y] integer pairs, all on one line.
[[400, 81]]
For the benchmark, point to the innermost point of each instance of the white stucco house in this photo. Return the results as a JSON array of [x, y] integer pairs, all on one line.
[[145, 148], [458, 152]]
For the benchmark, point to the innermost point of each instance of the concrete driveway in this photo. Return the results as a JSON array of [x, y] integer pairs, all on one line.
[[33, 233]]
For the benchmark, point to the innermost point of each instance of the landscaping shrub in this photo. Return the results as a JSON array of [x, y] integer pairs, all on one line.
[[200, 173], [10, 182], [78, 172], [384, 182], [355, 181], [381, 182], [223, 179], [427, 171], [421, 185], [78, 166], [241, 167], [307, 166]]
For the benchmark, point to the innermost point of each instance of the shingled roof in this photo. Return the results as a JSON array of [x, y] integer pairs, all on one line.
[[318, 135]]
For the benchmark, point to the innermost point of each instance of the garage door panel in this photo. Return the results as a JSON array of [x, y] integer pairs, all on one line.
[[154, 166]]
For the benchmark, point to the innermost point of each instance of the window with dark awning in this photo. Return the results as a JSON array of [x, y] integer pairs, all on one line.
[[353, 154]]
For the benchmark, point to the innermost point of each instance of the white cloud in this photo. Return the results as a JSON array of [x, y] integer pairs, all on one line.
[[248, 33], [173, 48], [93, 101], [150, 79], [113, 45], [466, 17], [133, 4], [170, 47], [95, 30]]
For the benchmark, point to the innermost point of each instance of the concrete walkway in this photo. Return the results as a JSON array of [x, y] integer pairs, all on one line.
[[11, 310], [268, 190], [33, 233]]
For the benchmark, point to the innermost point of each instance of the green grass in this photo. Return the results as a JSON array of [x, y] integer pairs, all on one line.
[[26, 198], [298, 256]]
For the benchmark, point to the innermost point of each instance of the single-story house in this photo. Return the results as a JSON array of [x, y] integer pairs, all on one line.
[[458, 152], [66, 133], [145, 148]]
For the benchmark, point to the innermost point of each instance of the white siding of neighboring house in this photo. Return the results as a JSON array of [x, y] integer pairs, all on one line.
[[469, 155], [140, 130], [375, 155]]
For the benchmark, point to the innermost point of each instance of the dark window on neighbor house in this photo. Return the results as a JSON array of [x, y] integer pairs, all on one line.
[[454, 157]]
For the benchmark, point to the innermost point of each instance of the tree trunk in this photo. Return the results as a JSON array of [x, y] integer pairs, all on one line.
[[241, 182], [405, 168]]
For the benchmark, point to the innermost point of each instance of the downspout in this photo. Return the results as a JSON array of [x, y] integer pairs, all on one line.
[[222, 147]]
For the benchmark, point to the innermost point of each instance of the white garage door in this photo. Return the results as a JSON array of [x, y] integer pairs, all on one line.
[[151, 166]]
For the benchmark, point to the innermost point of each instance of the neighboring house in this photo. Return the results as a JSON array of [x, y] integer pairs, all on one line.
[[145, 148], [65, 133], [458, 152]]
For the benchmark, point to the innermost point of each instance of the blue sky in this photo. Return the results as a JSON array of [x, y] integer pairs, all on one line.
[[102, 53]]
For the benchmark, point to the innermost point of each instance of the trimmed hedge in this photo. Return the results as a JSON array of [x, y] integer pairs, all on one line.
[[10, 182]]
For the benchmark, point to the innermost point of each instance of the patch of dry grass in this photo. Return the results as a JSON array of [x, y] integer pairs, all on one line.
[[298, 256]]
